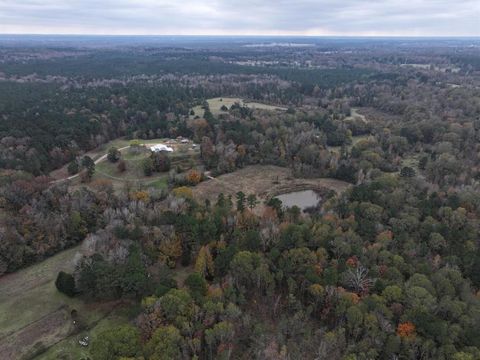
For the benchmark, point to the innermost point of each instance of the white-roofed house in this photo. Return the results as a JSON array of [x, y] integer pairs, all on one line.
[[161, 147]]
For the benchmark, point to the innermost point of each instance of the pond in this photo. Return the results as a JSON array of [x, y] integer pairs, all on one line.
[[303, 199]]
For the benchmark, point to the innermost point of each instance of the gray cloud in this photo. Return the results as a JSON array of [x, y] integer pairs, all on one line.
[[238, 17]]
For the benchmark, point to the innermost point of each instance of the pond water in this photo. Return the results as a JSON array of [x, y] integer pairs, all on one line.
[[303, 199]]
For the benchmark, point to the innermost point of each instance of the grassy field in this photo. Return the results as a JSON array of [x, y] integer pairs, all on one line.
[[184, 157], [160, 183], [133, 173], [36, 321], [264, 181], [120, 143], [38, 293], [34, 315], [216, 104], [70, 349]]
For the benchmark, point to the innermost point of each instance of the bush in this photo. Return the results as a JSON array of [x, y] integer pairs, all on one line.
[[148, 166], [65, 283], [193, 177], [113, 154], [161, 161], [407, 172]]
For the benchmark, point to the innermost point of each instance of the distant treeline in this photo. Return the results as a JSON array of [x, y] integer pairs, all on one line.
[[118, 65]]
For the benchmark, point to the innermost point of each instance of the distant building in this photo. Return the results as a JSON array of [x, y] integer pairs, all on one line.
[[161, 147]]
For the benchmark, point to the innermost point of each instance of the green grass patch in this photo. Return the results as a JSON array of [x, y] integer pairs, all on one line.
[[70, 349], [160, 184], [34, 315], [183, 158], [30, 294]]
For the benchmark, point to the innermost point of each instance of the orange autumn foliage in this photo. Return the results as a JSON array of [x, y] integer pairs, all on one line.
[[318, 269], [214, 292], [330, 218], [406, 330], [194, 177], [269, 214], [140, 196], [242, 151], [352, 262], [351, 297]]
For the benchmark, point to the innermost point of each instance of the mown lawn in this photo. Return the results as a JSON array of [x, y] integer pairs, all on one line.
[[160, 184], [182, 159]]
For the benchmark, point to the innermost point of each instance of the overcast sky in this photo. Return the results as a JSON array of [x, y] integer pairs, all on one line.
[[242, 17]]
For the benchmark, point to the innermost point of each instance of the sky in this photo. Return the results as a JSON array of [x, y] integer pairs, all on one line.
[[242, 17]]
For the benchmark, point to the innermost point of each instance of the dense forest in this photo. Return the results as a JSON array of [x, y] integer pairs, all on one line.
[[387, 269]]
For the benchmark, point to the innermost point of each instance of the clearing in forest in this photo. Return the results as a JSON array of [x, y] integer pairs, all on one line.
[[185, 156], [216, 105], [264, 181], [34, 315]]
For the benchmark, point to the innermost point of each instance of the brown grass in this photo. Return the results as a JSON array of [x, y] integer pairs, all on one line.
[[264, 181]]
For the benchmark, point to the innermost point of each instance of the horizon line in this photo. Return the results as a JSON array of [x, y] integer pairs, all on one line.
[[247, 35]]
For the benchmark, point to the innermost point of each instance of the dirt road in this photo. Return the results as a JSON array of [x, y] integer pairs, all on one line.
[[99, 160]]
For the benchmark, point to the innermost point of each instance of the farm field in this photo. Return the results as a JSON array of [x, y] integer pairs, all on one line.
[[264, 181], [217, 103]]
